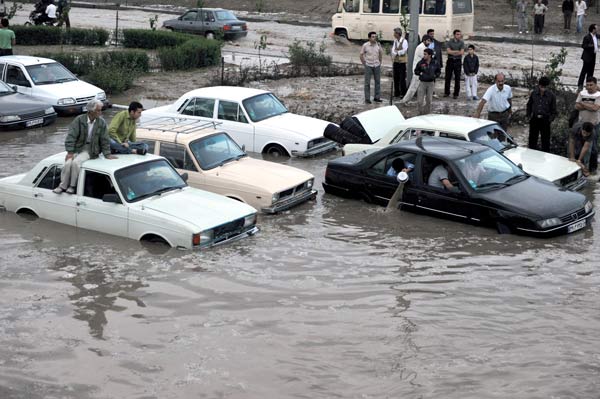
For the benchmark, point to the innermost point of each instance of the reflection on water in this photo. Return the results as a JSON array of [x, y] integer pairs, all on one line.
[[335, 298]]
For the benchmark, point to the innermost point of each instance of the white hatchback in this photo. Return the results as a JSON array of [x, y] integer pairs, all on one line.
[[49, 81], [254, 118]]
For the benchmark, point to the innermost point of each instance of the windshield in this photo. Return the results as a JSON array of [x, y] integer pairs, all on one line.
[[216, 150], [225, 15], [488, 169], [44, 74], [492, 136], [147, 179], [5, 89], [264, 106]]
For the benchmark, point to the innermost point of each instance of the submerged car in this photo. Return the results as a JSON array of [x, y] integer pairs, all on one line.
[[486, 189], [216, 163], [254, 118], [19, 111], [50, 82], [209, 22], [386, 125], [134, 196]]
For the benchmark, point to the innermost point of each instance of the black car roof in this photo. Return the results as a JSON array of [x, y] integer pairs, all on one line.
[[439, 147]]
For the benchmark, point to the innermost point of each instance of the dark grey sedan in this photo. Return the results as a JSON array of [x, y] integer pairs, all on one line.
[[19, 111], [210, 22]]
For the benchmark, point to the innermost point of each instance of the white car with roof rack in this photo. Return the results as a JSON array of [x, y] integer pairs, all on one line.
[[49, 81], [133, 196], [215, 162], [255, 119], [386, 125]]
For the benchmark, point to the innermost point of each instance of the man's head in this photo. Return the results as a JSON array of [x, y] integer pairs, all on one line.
[[135, 110], [427, 54], [372, 37], [4, 22], [471, 49], [426, 39], [591, 84], [543, 83], [457, 34], [587, 129], [431, 33], [499, 80], [94, 109], [397, 33], [398, 164], [592, 28]]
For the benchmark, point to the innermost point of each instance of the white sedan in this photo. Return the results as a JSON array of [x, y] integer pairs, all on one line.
[[255, 119], [386, 125], [134, 196]]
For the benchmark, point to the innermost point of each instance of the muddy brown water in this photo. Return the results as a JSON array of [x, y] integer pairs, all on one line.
[[333, 299]]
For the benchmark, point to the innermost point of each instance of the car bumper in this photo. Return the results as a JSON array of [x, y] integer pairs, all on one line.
[[250, 232], [318, 149], [567, 228], [77, 108], [235, 34], [290, 202], [26, 124]]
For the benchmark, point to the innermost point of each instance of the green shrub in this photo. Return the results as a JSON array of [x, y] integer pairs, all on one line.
[[86, 37], [40, 35], [111, 79], [191, 54], [152, 39], [308, 57], [83, 63], [135, 60]]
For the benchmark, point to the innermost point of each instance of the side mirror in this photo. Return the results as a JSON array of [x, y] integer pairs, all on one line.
[[112, 198], [15, 89], [244, 147], [184, 176], [520, 166], [402, 177]]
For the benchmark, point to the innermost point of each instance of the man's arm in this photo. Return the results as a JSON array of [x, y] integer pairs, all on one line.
[[362, 54], [529, 106], [584, 151], [571, 148], [447, 184], [71, 139], [477, 113], [115, 126]]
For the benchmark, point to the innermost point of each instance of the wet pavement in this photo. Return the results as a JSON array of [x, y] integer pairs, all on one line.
[[335, 298]]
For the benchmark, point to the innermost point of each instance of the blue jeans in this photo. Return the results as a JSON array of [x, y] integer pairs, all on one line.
[[118, 148], [580, 23], [376, 72]]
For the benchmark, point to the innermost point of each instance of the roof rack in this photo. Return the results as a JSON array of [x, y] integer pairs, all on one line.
[[178, 125]]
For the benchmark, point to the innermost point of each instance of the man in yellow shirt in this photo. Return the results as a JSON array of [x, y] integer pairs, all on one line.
[[122, 131]]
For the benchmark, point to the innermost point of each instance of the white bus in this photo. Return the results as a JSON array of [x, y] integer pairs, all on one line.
[[356, 18]]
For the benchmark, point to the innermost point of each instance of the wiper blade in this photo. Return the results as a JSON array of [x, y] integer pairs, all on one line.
[[516, 179], [162, 190], [62, 80], [492, 184]]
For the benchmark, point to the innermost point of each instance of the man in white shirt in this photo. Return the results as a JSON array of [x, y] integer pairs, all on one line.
[[499, 97], [399, 58], [51, 12], [588, 105], [580, 7]]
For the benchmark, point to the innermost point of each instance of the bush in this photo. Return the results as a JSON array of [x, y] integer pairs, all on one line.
[[40, 35], [111, 79], [86, 37], [153, 39], [83, 63], [191, 54], [308, 57]]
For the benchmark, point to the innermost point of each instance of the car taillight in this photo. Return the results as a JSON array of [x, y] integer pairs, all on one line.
[[244, 27], [196, 239], [226, 27]]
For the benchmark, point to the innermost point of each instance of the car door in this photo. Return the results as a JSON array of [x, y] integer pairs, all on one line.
[[381, 185], [95, 214], [209, 23], [234, 121], [199, 108], [17, 76], [189, 22], [49, 205]]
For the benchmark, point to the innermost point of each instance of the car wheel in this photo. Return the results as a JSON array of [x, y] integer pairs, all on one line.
[[366, 197], [210, 35], [502, 228], [342, 33], [27, 23], [275, 150]]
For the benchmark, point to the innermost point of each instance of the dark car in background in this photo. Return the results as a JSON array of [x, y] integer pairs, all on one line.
[[209, 22], [488, 188], [18, 111]]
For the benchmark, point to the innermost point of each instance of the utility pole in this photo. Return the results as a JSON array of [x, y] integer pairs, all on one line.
[[414, 38]]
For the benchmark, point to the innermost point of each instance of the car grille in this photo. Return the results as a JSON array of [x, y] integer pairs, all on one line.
[[33, 115], [569, 179], [316, 142], [571, 217], [228, 230], [291, 191], [84, 99]]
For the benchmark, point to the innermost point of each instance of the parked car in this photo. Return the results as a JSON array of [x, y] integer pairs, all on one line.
[[216, 163], [386, 125], [134, 196], [488, 188], [49, 81], [21, 111], [255, 119], [209, 22]]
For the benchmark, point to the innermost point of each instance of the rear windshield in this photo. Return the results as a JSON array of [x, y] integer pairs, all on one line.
[[225, 15]]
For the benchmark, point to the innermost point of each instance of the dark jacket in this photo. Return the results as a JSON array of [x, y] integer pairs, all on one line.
[[568, 5], [544, 105], [471, 64], [587, 45], [427, 72], [77, 136]]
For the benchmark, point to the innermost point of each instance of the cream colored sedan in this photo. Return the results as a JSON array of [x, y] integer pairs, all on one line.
[[214, 162]]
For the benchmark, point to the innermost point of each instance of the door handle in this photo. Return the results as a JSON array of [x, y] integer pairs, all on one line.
[[79, 203], [38, 195]]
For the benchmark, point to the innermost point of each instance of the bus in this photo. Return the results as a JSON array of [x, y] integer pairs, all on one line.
[[356, 18]]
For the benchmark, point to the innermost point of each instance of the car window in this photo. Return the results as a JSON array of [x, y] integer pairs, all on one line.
[[263, 106], [436, 7], [492, 136], [453, 136], [203, 107], [2, 66], [150, 144], [371, 6], [15, 76], [177, 155], [351, 5], [386, 166], [488, 169], [145, 179], [411, 133], [391, 7], [96, 185], [190, 16], [51, 179], [208, 16], [216, 150], [230, 111]]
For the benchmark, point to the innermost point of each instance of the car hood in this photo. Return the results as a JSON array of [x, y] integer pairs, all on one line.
[[19, 104], [542, 164], [201, 208], [379, 121], [537, 198], [72, 89], [305, 126], [264, 175]]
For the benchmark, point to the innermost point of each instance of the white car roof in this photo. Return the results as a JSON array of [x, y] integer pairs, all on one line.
[[228, 93], [26, 60], [448, 123], [105, 165]]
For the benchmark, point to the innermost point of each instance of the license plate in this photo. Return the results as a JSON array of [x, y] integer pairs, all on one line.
[[576, 226], [34, 122], [236, 27]]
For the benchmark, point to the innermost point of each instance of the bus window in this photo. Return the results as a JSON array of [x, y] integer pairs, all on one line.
[[436, 7], [371, 6], [351, 5], [391, 6], [462, 6]]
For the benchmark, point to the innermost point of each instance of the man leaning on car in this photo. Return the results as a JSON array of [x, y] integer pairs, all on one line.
[[87, 138]]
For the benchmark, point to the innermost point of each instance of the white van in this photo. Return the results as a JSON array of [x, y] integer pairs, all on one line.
[[356, 18]]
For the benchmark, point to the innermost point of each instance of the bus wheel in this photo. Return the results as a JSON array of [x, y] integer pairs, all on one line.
[[342, 33]]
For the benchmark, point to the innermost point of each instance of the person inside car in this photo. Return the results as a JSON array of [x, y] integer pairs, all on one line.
[[439, 178], [399, 165]]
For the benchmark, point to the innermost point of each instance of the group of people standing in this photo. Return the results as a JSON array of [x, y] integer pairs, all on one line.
[[539, 10]]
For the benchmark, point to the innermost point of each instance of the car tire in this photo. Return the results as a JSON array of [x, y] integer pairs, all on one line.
[[353, 125], [275, 150], [341, 33], [340, 135], [209, 35], [502, 228]]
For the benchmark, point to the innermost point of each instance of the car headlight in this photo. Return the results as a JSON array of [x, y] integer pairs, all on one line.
[[10, 118], [275, 197], [310, 183], [66, 101], [101, 96], [203, 238], [588, 207], [49, 110], [250, 220], [546, 223]]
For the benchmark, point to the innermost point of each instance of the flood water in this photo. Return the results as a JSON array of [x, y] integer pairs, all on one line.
[[333, 299]]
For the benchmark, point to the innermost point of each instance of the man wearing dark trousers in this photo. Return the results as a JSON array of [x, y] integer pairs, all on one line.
[[590, 48], [541, 111], [400, 58], [455, 48]]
